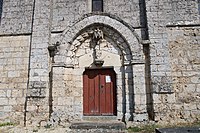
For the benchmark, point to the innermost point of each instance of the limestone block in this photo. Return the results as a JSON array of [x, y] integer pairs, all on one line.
[[139, 89], [78, 100], [171, 98], [20, 100], [140, 108], [195, 79], [4, 86], [58, 92], [190, 106], [140, 117], [198, 88], [190, 88], [8, 93], [139, 80], [77, 109], [8, 108], [78, 72], [41, 72], [65, 101], [13, 73], [163, 68], [4, 101], [187, 114], [140, 99], [79, 84], [119, 115], [68, 71], [78, 78], [77, 93], [157, 98], [3, 93], [37, 92], [12, 101], [44, 78], [162, 84], [138, 68]]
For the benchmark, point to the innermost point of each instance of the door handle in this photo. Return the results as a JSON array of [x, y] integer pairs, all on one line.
[[101, 86]]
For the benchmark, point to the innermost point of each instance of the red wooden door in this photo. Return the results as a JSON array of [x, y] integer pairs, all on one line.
[[99, 92]]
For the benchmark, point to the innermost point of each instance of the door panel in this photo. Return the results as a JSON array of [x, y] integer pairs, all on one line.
[[99, 96]]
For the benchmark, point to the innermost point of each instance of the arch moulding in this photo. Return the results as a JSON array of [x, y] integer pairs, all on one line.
[[123, 28]]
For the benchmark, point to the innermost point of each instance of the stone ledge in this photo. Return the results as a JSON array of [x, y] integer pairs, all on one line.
[[98, 125]]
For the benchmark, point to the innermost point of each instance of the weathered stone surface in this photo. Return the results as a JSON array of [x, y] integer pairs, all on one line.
[[98, 125], [16, 17], [14, 50], [45, 47]]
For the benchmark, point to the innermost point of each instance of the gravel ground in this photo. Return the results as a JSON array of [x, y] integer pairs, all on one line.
[[18, 129]]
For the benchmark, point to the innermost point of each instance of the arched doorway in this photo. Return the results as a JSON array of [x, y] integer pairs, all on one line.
[[99, 92], [80, 49]]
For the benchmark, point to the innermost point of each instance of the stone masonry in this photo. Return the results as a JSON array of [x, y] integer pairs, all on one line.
[[153, 46]]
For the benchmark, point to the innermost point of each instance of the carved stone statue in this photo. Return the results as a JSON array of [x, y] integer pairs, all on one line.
[[97, 38], [98, 34]]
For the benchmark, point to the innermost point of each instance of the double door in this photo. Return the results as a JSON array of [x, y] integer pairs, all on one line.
[[99, 92]]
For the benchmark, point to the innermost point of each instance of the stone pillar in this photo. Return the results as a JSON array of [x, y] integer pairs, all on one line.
[[36, 104], [140, 103], [128, 92], [120, 93]]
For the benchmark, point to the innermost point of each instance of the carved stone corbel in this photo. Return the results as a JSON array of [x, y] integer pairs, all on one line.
[[53, 49]]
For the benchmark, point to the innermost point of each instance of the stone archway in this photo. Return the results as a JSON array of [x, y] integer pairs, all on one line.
[[126, 31], [83, 45], [120, 48]]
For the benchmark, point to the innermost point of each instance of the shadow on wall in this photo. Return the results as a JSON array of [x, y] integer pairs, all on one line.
[[199, 6], [1, 9], [146, 50]]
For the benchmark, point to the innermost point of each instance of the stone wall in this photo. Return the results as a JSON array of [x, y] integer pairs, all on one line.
[[67, 13], [16, 16], [67, 95], [14, 61], [169, 62], [166, 84], [37, 100], [183, 103], [128, 10], [184, 48]]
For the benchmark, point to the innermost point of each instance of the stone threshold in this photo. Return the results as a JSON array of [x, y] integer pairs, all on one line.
[[116, 125]]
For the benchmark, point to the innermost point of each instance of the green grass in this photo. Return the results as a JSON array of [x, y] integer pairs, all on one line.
[[6, 124], [144, 128], [35, 130], [47, 126], [151, 128]]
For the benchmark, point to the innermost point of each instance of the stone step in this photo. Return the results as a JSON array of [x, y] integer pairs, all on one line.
[[100, 118], [99, 126]]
